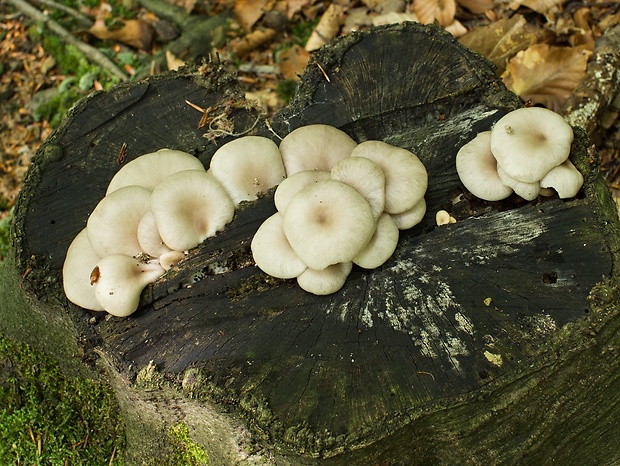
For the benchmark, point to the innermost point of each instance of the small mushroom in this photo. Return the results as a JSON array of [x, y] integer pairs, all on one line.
[[295, 183], [247, 166], [443, 217], [527, 191], [314, 147], [120, 281], [327, 223], [406, 178], [477, 169], [77, 282], [113, 225], [325, 281], [366, 177], [529, 142], [273, 253], [190, 206], [381, 245], [565, 179], [150, 169]]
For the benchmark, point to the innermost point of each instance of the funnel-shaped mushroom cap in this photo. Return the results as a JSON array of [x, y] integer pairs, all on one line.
[[381, 246], [366, 177], [149, 169], [76, 272], [190, 206], [314, 147], [406, 179], [113, 225], [527, 191], [565, 179], [411, 217], [149, 237], [247, 166], [326, 281], [120, 280], [477, 169], [273, 253], [327, 223], [295, 183], [529, 142]]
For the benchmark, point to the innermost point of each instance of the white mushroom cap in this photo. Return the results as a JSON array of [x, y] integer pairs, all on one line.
[[295, 183], [406, 178], [171, 258], [411, 217], [247, 166], [327, 223], [273, 253], [120, 281], [314, 147], [565, 179], [326, 281], [113, 224], [527, 191], [477, 169], [149, 169], [381, 246], [366, 177], [81, 259], [190, 206], [443, 217], [529, 142], [148, 236]]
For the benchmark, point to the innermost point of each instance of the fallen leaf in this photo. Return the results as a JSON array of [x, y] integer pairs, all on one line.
[[502, 40], [546, 75], [327, 28], [476, 6], [295, 6], [429, 11], [248, 12], [134, 32], [544, 7], [172, 61], [293, 61], [252, 41]]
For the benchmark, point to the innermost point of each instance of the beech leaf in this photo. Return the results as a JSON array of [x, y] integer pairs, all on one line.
[[545, 74], [429, 11]]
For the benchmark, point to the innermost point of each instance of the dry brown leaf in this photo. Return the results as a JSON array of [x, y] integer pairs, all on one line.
[[501, 40], [546, 75], [252, 41], [476, 6], [456, 28], [429, 11], [134, 32], [172, 61], [544, 7], [248, 12], [295, 6], [328, 27], [293, 61]]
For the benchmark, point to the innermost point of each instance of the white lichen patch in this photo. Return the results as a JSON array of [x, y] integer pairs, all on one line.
[[463, 323]]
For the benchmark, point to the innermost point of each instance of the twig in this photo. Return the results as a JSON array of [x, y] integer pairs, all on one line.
[[83, 19], [89, 52], [600, 86]]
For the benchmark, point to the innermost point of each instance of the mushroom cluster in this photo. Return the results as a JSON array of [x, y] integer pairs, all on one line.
[[526, 152], [342, 203], [156, 208]]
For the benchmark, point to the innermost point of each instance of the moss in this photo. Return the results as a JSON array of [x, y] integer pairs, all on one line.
[[5, 233], [49, 418], [186, 452]]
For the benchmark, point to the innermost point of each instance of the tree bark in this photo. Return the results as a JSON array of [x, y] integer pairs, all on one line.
[[491, 340]]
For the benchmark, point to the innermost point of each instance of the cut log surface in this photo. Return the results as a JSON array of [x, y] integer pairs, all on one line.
[[456, 310]]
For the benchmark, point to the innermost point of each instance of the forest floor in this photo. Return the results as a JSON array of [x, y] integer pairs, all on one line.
[[541, 49]]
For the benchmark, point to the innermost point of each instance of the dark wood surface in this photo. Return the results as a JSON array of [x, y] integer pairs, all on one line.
[[457, 308]]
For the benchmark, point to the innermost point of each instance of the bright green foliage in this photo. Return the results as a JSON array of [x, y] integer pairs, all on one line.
[[186, 451], [47, 418]]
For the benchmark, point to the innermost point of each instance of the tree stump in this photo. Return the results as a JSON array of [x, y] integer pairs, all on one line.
[[493, 339]]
